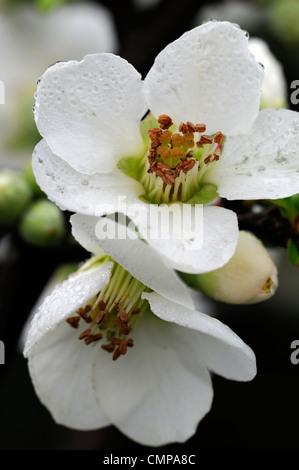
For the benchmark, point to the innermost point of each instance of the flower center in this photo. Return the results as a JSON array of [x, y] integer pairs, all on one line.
[[177, 161], [113, 313]]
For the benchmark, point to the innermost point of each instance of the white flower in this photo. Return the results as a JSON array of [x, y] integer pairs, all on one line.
[[208, 84], [274, 90], [160, 390], [30, 41]]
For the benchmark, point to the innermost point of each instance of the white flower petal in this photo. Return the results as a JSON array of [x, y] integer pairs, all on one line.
[[263, 164], [65, 299], [77, 192], [61, 370], [60, 365], [203, 238], [218, 347], [90, 111], [207, 76], [133, 255], [158, 392]]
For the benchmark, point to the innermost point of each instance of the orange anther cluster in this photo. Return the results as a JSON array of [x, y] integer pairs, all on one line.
[[118, 346], [170, 153]]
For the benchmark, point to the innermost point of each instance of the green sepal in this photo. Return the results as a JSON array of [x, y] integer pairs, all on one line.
[[293, 253], [130, 166], [207, 193]]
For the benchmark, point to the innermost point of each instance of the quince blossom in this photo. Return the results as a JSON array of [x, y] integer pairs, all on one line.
[[30, 41], [208, 138], [120, 343]]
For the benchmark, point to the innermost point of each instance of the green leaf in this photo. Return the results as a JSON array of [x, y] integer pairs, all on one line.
[[293, 253], [207, 193]]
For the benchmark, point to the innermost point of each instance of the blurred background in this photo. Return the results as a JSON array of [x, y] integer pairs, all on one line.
[[36, 245]]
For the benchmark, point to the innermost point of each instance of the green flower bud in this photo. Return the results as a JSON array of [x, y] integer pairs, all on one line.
[[15, 195], [43, 224], [249, 277]]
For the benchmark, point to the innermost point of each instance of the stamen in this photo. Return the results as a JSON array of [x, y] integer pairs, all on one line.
[[191, 127], [100, 317], [93, 338], [200, 128], [108, 347], [83, 313], [85, 334], [205, 139], [135, 311], [116, 354], [73, 321], [123, 316], [165, 121], [218, 138], [176, 162]]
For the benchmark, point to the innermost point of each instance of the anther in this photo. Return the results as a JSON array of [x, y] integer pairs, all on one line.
[[200, 128], [123, 316], [83, 313], [218, 138], [165, 121], [177, 140], [123, 327], [116, 354], [155, 136], [73, 321], [191, 127], [108, 347], [136, 310], [168, 179], [183, 128], [100, 317], [188, 165], [102, 305], [165, 137], [85, 334], [93, 338], [130, 343], [123, 347], [205, 139], [211, 158]]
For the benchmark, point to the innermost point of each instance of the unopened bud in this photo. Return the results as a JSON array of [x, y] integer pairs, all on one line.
[[249, 277], [43, 224], [15, 195], [274, 88]]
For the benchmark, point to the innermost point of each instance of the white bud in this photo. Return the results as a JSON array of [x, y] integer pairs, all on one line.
[[274, 88], [249, 277]]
